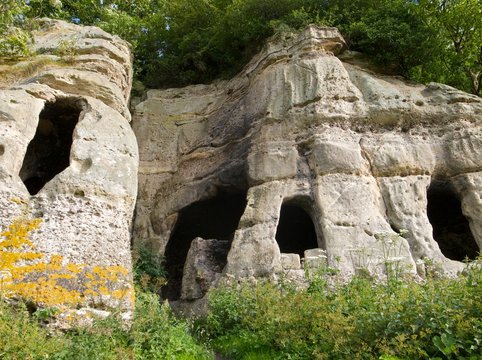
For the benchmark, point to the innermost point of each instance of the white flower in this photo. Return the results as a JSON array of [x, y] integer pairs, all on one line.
[[56, 3]]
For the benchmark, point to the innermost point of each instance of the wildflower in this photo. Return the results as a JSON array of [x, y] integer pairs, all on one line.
[[56, 3]]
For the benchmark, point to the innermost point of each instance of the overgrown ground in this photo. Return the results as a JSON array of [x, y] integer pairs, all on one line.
[[436, 319], [155, 334]]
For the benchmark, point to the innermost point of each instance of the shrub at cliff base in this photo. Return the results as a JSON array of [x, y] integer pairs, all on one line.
[[438, 319], [155, 334]]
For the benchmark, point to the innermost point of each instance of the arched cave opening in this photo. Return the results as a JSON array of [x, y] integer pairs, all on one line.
[[451, 229], [296, 231], [215, 218], [48, 152]]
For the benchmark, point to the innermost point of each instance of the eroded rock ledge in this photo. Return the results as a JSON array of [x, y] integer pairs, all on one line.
[[68, 169], [306, 131]]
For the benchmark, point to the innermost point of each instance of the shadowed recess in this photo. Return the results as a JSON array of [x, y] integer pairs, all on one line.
[[450, 227], [296, 231], [215, 218], [48, 152]]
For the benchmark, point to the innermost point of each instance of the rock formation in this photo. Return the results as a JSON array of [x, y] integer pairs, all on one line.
[[306, 159], [68, 168], [309, 148]]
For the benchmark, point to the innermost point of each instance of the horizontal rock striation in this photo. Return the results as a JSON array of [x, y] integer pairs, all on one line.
[[306, 125]]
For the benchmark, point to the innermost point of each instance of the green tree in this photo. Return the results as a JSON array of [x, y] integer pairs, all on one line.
[[9, 10], [13, 40], [180, 42], [459, 22], [133, 20], [388, 30]]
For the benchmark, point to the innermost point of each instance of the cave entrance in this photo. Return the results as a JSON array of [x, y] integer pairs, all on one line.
[[451, 229], [296, 231], [48, 152], [215, 218]]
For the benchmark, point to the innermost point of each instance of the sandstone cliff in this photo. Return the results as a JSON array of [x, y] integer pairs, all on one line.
[[68, 168], [351, 157], [307, 154]]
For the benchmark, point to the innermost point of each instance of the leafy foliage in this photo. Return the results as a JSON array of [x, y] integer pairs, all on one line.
[[13, 40], [22, 338], [155, 334], [178, 42], [441, 318], [459, 56], [149, 272]]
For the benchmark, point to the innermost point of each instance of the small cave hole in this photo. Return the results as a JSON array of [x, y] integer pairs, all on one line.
[[451, 229], [216, 218], [79, 193], [48, 152], [394, 228], [296, 231]]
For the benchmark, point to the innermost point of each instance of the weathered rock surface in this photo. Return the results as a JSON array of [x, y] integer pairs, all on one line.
[[69, 158], [305, 124], [203, 267]]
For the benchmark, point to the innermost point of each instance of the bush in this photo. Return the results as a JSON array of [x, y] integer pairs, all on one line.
[[149, 272], [22, 338], [15, 43], [441, 318], [155, 334]]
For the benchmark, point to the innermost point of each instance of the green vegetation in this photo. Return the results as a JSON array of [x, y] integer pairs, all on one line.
[[149, 272], [155, 334], [437, 319], [13, 39], [179, 42]]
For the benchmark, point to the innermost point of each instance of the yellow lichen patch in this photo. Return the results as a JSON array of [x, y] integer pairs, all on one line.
[[56, 282], [46, 291], [19, 201], [17, 234]]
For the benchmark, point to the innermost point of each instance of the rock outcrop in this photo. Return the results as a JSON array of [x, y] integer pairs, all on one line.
[[204, 263], [307, 130], [68, 168], [306, 159]]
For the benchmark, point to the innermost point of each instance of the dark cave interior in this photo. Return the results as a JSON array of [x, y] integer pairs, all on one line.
[[296, 231], [48, 152], [450, 227], [215, 218]]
